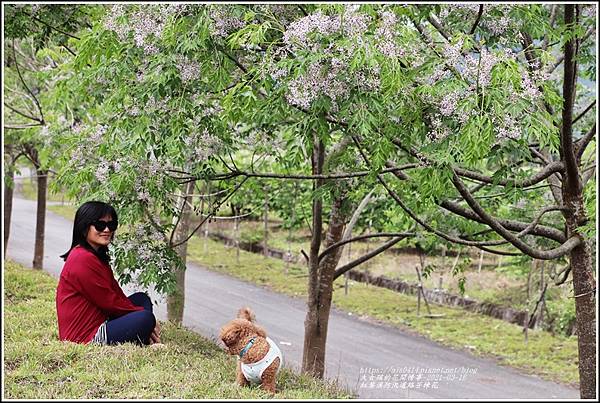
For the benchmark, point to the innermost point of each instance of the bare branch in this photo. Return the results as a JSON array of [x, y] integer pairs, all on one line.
[[499, 252], [504, 233], [551, 168], [586, 110], [23, 113], [361, 237], [438, 26], [588, 174], [211, 214], [338, 272], [233, 59], [359, 209], [565, 273], [236, 173], [303, 10], [25, 84], [337, 149], [537, 219], [538, 154], [512, 225], [548, 170], [415, 217], [188, 189], [69, 50]]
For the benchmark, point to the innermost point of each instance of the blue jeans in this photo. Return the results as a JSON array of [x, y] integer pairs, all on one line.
[[133, 327]]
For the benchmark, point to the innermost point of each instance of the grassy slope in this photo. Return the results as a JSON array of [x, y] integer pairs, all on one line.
[[38, 366], [552, 357]]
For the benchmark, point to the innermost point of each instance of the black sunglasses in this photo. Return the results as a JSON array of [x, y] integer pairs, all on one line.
[[101, 225]]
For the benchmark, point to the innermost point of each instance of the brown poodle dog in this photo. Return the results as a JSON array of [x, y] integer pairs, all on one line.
[[259, 358]]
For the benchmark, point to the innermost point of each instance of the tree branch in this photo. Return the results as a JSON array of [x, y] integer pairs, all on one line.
[[338, 272], [586, 110], [551, 168], [359, 209], [504, 233], [479, 14], [438, 26], [211, 214], [415, 217], [361, 237], [582, 143], [538, 230], [236, 173], [565, 274], [23, 114], [537, 219], [561, 58], [303, 10], [25, 84], [499, 252], [50, 26]]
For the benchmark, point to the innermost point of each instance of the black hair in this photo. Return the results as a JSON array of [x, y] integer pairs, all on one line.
[[88, 213]]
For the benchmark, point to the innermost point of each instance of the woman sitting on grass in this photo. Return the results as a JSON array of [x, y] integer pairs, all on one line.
[[91, 306]]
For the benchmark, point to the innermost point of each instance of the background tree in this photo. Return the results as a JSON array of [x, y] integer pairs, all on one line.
[[29, 32]]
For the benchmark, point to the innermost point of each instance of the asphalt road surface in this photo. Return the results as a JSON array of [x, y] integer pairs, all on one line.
[[375, 361]]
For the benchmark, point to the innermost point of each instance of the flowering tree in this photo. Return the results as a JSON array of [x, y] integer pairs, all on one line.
[[459, 114], [442, 96]]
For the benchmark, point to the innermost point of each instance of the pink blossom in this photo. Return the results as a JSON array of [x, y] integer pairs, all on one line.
[[188, 69], [224, 21]]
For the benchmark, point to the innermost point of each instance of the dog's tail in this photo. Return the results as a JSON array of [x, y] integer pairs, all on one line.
[[246, 313]]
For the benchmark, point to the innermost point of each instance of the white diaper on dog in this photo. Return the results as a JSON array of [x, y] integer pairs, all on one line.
[[253, 372]]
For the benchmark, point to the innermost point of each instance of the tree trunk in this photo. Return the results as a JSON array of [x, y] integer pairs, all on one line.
[[585, 302], [312, 331], [575, 215], [9, 186], [319, 304], [176, 301], [585, 313], [40, 224]]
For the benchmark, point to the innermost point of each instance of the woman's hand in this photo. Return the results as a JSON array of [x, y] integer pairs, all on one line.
[[155, 336]]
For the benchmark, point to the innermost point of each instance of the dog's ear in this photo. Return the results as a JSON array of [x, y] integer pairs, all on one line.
[[229, 335]]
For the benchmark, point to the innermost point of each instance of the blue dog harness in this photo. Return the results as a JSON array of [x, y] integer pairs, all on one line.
[[253, 372]]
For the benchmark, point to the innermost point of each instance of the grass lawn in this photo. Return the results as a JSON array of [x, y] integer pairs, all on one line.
[[39, 366]]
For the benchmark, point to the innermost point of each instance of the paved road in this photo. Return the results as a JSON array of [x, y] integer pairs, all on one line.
[[354, 345]]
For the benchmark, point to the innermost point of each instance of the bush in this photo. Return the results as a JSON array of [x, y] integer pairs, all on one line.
[[561, 318]]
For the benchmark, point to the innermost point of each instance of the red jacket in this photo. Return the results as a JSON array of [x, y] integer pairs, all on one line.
[[87, 295]]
